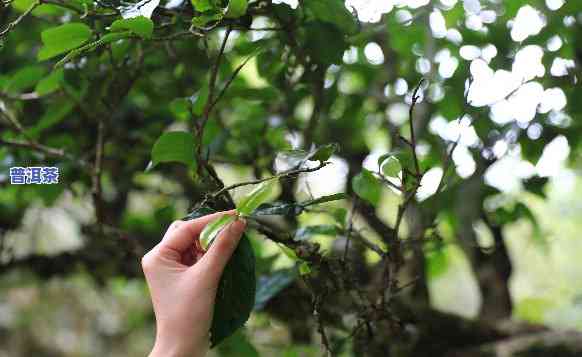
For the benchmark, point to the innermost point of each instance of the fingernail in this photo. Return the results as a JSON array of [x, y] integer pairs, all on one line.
[[238, 226]]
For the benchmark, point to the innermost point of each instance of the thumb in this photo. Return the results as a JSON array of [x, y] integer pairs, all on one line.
[[218, 254]]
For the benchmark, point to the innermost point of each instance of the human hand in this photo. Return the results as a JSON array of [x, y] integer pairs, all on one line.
[[183, 280]]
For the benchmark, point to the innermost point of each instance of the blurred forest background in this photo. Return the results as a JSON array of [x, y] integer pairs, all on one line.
[[468, 247]]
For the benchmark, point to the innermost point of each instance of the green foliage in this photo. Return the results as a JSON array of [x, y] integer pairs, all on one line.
[[235, 297], [236, 8], [159, 84], [396, 159], [304, 268], [141, 26], [391, 167], [106, 39], [504, 216], [533, 309], [212, 11], [203, 5], [24, 78], [174, 146], [50, 84], [367, 187], [333, 12], [438, 262], [237, 345], [323, 153], [55, 114], [212, 229], [206, 18], [181, 108], [58, 40], [257, 196], [325, 43], [200, 100]]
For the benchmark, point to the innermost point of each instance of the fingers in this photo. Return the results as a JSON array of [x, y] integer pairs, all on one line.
[[222, 248], [175, 225], [181, 235]]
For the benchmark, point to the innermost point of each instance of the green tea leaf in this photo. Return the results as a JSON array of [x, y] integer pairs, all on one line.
[[437, 263], [141, 26], [203, 5], [333, 12], [50, 84], [207, 17], [181, 108], [324, 153], [42, 10], [325, 43], [405, 157], [235, 297], [107, 38], [212, 229], [24, 78], [174, 146], [236, 8], [367, 187], [58, 40], [254, 199], [391, 167], [200, 99]]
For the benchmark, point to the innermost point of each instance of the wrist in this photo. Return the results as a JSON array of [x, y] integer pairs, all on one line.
[[176, 345]]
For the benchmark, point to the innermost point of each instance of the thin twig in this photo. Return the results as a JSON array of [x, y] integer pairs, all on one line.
[[320, 325], [13, 24], [383, 179], [211, 88], [255, 182], [229, 82], [265, 29], [394, 260], [32, 144], [449, 157], [368, 244], [97, 169], [177, 35], [45, 150], [415, 98], [207, 109], [84, 13], [350, 228]]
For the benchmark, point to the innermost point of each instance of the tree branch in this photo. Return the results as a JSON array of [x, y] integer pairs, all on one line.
[[96, 177], [13, 24]]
